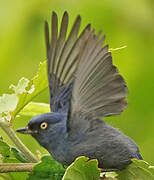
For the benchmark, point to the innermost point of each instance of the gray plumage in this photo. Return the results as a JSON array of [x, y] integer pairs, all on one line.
[[84, 87]]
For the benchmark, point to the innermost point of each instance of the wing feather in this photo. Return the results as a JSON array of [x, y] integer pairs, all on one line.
[[62, 54], [47, 38], [99, 90]]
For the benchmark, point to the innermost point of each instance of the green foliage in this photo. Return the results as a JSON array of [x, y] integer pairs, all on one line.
[[4, 150], [48, 169], [137, 170], [82, 169], [18, 155], [32, 88], [23, 93], [9, 154], [34, 108]]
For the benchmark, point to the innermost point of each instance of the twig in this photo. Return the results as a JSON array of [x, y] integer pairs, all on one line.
[[16, 167], [23, 149]]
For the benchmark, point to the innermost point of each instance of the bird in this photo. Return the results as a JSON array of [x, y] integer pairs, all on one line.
[[84, 88]]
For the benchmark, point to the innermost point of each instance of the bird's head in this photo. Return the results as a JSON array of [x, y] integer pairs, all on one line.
[[45, 128]]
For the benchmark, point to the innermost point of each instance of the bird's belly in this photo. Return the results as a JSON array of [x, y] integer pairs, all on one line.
[[111, 152], [108, 155]]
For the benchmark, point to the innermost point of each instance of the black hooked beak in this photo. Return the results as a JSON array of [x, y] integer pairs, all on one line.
[[25, 130]]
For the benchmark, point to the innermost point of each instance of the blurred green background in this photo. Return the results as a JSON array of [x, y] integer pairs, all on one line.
[[125, 22]]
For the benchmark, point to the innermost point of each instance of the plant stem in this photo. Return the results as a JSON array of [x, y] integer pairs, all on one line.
[[23, 149], [16, 167]]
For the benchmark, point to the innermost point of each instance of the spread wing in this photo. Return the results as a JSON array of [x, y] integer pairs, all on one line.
[[99, 90], [62, 55]]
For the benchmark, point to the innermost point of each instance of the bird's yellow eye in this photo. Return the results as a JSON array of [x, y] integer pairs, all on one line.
[[44, 125]]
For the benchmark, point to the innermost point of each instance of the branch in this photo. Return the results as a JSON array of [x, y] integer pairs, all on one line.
[[23, 149], [16, 167], [108, 178]]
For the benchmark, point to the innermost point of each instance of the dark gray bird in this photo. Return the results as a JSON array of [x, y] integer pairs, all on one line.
[[84, 87]]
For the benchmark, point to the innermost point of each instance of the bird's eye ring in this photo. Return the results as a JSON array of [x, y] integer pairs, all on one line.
[[44, 125]]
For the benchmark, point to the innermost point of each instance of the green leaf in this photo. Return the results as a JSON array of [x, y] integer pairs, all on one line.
[[23, 93], [137, 170], [17, 154], [34, 87], [82, 169], [33, 108], [18, 175], [48, 169], [5, 176], [11, 155], [4, 149], [7, 155]]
